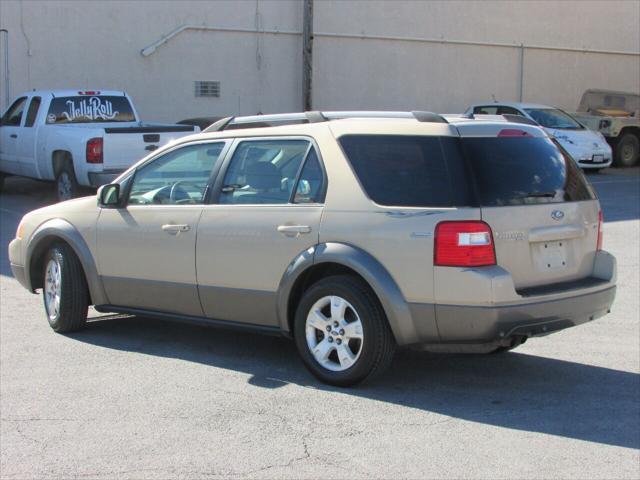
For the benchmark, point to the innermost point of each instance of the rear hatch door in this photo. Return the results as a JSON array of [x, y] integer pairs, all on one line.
[[543, 213]]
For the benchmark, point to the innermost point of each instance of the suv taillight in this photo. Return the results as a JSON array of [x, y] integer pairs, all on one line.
[[464, 244], [94, 150], [600, 220]]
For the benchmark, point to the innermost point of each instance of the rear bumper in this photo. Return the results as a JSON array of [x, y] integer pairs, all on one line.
[[97, 179], [497, 312], [487, 324]]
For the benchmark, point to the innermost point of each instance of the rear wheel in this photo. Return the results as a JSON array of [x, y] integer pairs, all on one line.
[[2, 175], [65, 292], [66, 184], [341, 331], [627, 150]]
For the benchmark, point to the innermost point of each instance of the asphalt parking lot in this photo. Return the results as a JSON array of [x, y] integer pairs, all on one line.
[[135, 398]]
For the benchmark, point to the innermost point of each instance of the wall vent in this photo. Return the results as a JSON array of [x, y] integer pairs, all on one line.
[[207, 88]]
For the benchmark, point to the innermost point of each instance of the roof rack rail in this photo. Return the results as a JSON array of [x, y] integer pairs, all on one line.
[[254, 121]]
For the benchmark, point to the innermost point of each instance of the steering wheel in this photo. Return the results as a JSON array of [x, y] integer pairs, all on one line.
[[178, 187]]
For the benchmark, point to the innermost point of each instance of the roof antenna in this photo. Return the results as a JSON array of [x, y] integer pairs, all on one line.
[[494, 98]]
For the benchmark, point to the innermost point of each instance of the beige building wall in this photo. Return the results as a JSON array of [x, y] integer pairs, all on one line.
[[97, 44], [431, 55], [405, 72]]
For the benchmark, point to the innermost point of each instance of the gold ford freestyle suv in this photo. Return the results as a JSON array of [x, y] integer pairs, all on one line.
[[351, 232]]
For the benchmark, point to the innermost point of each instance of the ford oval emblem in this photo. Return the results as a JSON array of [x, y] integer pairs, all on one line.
[[557, 215]]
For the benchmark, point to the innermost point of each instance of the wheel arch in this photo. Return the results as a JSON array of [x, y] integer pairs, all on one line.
[[59, 158], [338, 258], [49, 233]]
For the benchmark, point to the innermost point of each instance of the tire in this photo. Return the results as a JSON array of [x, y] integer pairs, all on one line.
[[363, 357], [68, 286], [2, 175], [66, 184], [627, 150]]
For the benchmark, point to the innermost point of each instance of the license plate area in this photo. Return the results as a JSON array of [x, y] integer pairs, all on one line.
[[598, 159], [550, 255]]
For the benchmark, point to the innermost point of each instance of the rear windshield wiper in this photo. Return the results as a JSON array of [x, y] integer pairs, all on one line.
[[538, 195]]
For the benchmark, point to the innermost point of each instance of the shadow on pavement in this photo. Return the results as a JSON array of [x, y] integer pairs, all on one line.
[[517, 391]]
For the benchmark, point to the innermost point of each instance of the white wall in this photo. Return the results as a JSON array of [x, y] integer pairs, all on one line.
[[394, 74], [96, 44]]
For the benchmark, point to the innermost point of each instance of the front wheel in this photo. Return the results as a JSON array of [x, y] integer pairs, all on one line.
[[65, 292], [627, 150], [341, 331]]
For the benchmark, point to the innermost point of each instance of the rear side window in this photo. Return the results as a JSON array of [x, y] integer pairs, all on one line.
[[519, 171], [90, 109], [32, 113], [409, 171]]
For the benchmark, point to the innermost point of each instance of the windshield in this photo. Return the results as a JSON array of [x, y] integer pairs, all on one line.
[[553, 118], [90, 109]]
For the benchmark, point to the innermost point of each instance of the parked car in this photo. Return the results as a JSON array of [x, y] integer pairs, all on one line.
[[616, 115], [350, 234], [77, 138], [589, 148]]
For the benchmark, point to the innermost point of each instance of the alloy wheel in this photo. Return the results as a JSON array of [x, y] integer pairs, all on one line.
[[52, 288], [334, 333]]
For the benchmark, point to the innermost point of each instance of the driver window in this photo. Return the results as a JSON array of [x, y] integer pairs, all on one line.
[[179, 177], [13, 117]]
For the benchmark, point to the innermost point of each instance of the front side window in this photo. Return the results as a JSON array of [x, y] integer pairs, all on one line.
[[179, 177], [13, 116], [90, 109], [266, 172], [553, 118]]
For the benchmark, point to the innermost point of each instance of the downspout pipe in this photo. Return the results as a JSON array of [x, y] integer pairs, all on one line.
[[5, 70]]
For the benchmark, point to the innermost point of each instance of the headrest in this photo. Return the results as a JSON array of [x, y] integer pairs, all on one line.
[[263, 176]]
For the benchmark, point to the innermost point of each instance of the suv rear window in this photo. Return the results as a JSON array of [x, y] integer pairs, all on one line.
[[90, 109], [408, 171], [519, 171]]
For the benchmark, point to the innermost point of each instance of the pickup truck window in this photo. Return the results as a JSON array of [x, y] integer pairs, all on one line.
[[32, 113], [90, 109], [13, 117]]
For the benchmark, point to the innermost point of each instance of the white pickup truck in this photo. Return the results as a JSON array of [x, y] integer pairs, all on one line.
[[77, 138]]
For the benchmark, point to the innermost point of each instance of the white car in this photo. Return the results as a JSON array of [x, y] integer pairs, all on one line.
[[588, 148]]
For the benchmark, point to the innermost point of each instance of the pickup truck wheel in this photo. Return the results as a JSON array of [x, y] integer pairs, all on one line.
[[627, 150], [65, 292], [341, 331], [66, 184]]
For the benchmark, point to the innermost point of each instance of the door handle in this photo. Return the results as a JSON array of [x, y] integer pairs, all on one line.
[[13, 135], [173, 228], [294, 230]]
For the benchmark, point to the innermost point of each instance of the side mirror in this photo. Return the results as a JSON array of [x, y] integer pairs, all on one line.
[[109, 195]]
